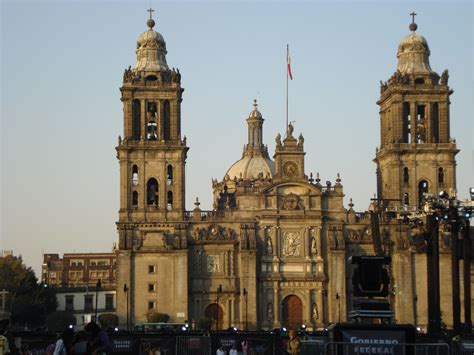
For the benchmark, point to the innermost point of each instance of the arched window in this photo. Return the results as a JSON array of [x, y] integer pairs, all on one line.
[[169, 175], [440, 175], [435, 123], [135, 199], [406, 198], [136, 119], [166, 120], [135, 175], [152, 127], [169, 200], [406, 123], [406, 175], [152, 192], [422, 190]]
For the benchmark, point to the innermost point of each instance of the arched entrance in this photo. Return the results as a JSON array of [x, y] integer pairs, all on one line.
[[214, 312], [292, 312]]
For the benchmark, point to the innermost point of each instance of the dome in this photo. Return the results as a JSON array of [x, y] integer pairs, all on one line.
[[151, 50], [413, 55], [251, 167], [255, 113]]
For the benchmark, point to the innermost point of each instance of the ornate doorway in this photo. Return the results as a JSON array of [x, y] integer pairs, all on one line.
[[216, 314], [292, 312]]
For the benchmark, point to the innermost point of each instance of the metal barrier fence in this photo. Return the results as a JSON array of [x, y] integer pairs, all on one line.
[[198, 345], [312, 347], [388, 347], [463, 348]]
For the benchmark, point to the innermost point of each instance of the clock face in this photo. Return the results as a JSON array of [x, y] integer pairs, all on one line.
[[290, 168]]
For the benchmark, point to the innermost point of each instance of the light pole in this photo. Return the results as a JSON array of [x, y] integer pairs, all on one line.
[[97, 286], [246, 308], [125, 289]]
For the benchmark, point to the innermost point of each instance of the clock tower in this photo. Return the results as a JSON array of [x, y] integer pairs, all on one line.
[[289, 156]]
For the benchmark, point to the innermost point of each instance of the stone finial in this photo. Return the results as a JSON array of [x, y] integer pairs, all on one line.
[[150, 23], [311, 180], [338, 179], [197, 203], [413, 26], [318, 180], [351, 204]]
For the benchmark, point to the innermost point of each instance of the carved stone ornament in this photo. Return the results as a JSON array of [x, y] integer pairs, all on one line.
[[213, 264], [291, 244], [214, 232], [291, 202], [359, 236], [290, 168]]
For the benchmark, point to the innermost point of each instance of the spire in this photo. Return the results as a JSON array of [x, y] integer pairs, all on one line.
[[151, 49]]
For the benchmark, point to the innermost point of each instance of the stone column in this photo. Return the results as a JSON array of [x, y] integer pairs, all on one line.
[[412, 122], [277, 251], [143, 122], [309, 308], [320, 305], [276, 306], [307, 234], [428, 123]]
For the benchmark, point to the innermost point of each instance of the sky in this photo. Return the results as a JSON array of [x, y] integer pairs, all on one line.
[[61, 70]]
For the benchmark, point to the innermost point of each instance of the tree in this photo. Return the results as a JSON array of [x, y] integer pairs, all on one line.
[[28, 301], [108, 320], [59, 321], [155, 317]]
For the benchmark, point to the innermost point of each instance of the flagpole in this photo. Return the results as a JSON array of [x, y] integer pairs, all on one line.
[[287, 74]]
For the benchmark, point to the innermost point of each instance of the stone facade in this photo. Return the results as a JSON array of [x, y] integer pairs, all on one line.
[[273, 252]]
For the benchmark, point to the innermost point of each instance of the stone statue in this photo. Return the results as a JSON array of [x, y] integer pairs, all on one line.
[[270, 311], [290, 130], [315, 312], [444, 77], [300, 140], [278, 140], [269, 246], [314, 249]]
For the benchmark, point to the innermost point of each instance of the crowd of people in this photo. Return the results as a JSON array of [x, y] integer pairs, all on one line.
[[91, 341]]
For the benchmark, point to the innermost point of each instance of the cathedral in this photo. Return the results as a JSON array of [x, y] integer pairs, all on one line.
[[274, 249]]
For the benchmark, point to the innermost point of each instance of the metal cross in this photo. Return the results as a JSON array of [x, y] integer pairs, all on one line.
[[150, 10], [413, 14]]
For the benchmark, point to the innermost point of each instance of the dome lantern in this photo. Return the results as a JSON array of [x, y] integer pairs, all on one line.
[[151, 49]]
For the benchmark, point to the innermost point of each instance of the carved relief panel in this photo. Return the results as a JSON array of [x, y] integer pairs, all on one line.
[[213, 264], [292, 244]]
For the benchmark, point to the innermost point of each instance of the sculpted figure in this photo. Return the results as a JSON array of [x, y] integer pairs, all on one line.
[[314, 249], [278, 140], [269, 246], [444, 77]]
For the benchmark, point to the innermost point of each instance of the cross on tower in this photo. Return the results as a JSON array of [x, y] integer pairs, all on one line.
[[413, 14], [150, 10]]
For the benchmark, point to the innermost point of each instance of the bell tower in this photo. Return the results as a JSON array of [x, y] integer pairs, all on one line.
[[151, 154], [416, 154], [152, 159]]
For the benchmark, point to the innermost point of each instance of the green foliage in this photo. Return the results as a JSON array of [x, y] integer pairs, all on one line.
[[108, 320], [59, 321], [28, 301], [203, 323], [155, 317]]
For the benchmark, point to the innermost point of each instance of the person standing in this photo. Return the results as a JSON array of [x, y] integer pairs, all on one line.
[[4, 347], [294, 343]]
